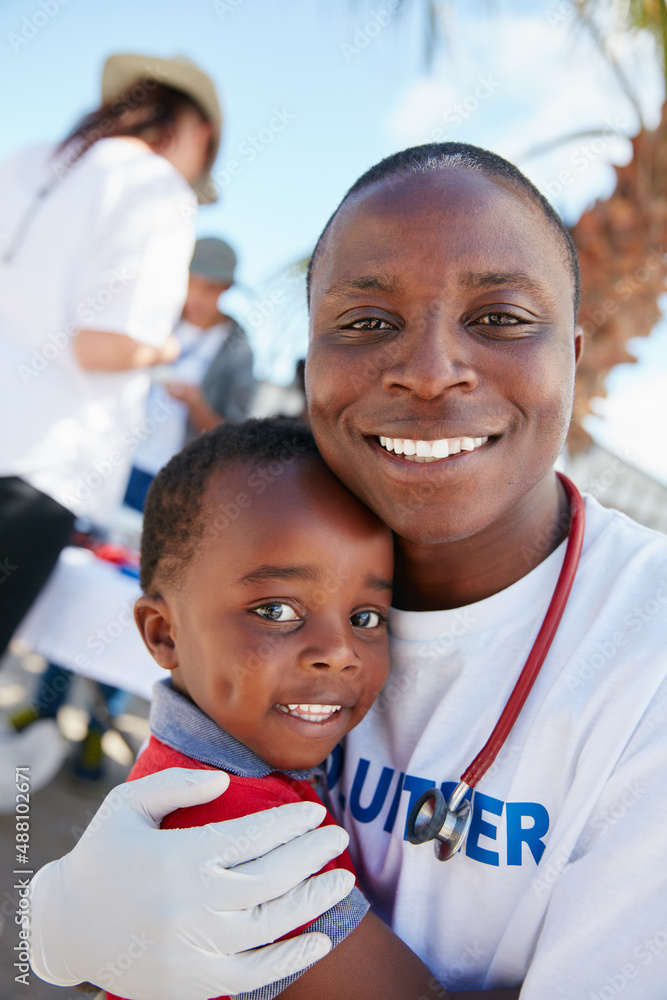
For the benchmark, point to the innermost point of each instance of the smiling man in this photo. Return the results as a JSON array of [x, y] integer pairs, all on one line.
[[440, 375], [450, 330]]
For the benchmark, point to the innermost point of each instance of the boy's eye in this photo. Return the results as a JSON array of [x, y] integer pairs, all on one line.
[[365, 619], [277, 611]]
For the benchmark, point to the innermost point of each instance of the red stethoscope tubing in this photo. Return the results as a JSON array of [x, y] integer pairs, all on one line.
[[537, 655]]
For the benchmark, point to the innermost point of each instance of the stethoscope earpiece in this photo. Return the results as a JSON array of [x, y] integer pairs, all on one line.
[[446, 823]]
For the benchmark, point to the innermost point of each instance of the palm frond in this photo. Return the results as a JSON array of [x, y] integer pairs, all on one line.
[[604, 19]]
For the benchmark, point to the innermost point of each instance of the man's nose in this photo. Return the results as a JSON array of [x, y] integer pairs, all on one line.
[[434, 355]]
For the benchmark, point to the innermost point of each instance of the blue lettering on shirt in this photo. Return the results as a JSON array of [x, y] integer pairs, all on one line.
[[393, 809], [525, 822], [416, 786], [479, 827], [517, 834], [369, 813]]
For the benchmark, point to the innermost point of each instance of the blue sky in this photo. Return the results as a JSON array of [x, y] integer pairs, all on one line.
[[346, 80]]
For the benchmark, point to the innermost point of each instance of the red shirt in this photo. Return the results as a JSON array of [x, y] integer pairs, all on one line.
[[243, 797]]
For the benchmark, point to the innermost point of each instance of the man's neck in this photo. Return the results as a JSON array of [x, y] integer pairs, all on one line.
[[455, 574]]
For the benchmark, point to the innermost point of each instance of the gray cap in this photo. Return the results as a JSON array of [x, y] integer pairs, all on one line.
[[214, 259]]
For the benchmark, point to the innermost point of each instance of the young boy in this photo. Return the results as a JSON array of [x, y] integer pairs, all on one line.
[[266, 591]]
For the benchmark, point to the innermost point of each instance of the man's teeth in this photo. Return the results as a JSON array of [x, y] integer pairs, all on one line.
[[311, 713], [431, 451]]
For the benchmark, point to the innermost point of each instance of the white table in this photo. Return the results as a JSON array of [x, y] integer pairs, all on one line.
[[83, 620]]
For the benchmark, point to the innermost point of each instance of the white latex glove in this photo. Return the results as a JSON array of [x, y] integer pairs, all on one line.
[[155, 914]]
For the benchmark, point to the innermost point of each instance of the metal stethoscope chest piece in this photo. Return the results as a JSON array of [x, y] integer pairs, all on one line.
[[447, 823]]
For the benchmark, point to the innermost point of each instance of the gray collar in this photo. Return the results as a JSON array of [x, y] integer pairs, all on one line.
[[177, 721]]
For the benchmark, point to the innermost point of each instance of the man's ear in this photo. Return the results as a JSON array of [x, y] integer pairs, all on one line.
[[578, 343], [154, 621]]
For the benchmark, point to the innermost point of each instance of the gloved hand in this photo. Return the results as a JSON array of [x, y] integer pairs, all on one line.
[[149, 913]]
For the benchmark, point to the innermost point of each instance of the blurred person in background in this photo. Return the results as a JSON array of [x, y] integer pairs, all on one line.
[[98, 235], [210, 382]]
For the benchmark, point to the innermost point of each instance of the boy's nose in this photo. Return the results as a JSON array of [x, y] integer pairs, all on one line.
[[331, 649]]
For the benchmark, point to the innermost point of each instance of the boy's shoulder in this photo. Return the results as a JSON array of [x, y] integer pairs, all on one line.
[[245, 795]]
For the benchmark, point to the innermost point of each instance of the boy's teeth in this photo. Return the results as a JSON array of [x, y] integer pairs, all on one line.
[[431, 451], [311, 713]]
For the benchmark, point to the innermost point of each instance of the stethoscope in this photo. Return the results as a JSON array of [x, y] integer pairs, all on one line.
[[447, 822]]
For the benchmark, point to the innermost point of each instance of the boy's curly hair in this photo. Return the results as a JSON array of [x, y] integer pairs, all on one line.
[[175, 516]]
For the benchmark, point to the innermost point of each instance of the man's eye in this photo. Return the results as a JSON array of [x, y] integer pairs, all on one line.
[[365, 619], [499, 319], [369, 323], [277, 612]]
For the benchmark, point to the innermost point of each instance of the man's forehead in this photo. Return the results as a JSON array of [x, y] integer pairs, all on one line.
[[503, 238], [395, 285], [452, 189]]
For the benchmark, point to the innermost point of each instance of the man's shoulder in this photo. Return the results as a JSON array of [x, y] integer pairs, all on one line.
[[611, 531], [234, 352], [235, 331], [619, 598]]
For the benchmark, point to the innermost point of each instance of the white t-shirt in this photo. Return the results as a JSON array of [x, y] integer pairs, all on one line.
[[167, 417], [580, 785], [108, 248]]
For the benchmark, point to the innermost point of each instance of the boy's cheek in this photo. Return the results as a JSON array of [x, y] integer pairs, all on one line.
[[371, 696]]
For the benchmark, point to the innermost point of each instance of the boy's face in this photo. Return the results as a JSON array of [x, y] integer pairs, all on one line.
[[441, 310], [277, 630]]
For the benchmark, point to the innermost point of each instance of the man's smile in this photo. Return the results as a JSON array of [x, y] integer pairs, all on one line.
[[416, 450]]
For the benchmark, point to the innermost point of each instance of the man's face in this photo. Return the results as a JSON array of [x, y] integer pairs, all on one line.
[[441, 311], [201, 304], [277, 629]]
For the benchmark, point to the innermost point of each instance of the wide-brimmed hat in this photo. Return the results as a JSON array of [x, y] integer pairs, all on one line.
[[123, 72]]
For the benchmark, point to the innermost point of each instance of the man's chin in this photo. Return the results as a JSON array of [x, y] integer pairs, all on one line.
[[421, 530]]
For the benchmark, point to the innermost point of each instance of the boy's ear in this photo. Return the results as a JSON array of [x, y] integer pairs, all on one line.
[[153, 618], [578, 342]]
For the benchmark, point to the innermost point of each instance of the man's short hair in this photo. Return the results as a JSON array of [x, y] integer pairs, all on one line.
[[434, 156]]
